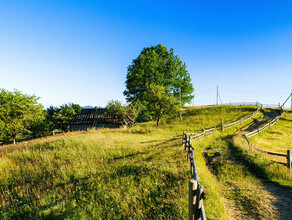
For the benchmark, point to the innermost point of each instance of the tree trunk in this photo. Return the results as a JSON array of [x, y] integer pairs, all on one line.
[[157, 122], [158, 118]]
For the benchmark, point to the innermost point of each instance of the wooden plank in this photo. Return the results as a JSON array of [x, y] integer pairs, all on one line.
[[276, 154], [192, 193], [289, 160]]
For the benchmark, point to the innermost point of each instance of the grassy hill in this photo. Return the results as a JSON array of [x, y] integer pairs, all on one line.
[[134, 173]]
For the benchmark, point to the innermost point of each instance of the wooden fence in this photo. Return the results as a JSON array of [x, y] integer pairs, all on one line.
[[264, 127], [222, 126], [261, 129], [196, 192]]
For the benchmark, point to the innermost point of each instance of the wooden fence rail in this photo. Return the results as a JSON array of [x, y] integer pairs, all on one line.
[[222, 126], [264, 127], [196, 192]]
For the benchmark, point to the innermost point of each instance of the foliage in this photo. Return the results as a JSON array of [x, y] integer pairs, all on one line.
[[18, 114], [127, 113], [61, 117], [159, 66], [159, 103]]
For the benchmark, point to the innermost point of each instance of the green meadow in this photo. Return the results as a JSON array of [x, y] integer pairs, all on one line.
[[136, 173]]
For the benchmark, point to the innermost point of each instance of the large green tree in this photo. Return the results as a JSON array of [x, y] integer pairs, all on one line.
[[18, 113], [157, 66]]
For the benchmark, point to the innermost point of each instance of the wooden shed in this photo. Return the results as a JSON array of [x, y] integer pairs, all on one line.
[[94, 118]]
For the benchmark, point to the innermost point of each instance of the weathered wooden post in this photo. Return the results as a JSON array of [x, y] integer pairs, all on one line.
[[189, 147], [289, 160], [222, 126], [241, 122], [203, 131], [192, 198], [215, 128]]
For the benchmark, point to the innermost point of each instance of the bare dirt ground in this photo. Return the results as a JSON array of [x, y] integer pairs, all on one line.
[[269, 115], [281, 200], [278, 199]]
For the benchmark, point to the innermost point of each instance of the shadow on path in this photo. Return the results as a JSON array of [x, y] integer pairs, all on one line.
[[269, 115]]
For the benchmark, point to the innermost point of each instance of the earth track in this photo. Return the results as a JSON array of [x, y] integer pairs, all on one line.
[[278, 197]]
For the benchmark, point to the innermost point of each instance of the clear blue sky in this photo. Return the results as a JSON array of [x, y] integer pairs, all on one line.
[[78, 51]]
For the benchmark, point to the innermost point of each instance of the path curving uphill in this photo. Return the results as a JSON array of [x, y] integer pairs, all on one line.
[[278, 198], [269, 115]]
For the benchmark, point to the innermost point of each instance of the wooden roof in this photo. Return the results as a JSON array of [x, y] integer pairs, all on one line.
[[94, 116]]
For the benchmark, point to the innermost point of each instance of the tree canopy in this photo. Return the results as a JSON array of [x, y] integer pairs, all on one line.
[[153, 82], [160, 66], [18, 113], [127, 113], [60, 117], [159, 103]]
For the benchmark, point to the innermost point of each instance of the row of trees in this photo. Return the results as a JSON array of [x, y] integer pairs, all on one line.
[[157, 84], [21, 116]]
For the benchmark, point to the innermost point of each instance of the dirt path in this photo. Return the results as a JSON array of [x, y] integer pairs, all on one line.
[[278, 198], [281, 199], [269, 115]]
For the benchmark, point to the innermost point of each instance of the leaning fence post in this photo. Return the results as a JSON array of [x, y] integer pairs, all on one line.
[[289, 160], [222, 126], [192, 200]]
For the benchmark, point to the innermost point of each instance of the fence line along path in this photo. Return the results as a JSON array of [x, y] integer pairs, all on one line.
[[196, 192]]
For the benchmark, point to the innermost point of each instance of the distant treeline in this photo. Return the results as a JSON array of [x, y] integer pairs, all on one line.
[[22, 117]]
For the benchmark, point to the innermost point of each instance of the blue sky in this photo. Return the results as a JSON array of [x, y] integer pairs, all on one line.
[[78, 51]]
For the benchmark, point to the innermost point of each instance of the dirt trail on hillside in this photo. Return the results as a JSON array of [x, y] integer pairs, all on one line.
[[269, 115], [281, 199], [278, 198]]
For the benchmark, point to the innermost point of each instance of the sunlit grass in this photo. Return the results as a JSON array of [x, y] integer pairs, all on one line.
[[134, 173], [278, 138]]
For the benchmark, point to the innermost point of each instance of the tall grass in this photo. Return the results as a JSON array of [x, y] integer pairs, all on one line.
[[137, 173]]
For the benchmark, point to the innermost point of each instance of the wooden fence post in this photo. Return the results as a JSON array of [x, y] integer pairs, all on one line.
[[289, 160], [222, 126], [241, 122], [189, 147], [203, 131], [192, 199]]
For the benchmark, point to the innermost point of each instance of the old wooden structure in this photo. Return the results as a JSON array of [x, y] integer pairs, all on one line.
[[95, 118]]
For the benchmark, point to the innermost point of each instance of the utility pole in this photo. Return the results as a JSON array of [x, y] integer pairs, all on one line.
[[217, 96], [180, 117]]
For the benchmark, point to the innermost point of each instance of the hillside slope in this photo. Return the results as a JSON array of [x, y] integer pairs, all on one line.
[[140, 172]]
